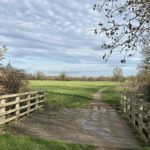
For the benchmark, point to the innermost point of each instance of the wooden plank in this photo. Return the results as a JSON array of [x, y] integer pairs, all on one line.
[[8, 120], [2, 110], [19, 94], [31, 110], [22, 107], [22, 100], [17, 106], [22, 114]]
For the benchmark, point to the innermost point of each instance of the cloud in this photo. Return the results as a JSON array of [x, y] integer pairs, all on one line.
[[54, 33]]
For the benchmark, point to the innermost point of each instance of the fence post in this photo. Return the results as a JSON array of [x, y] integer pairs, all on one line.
[[17, 106], [37, 99], [28, 103], [123, 102], [2, 110]]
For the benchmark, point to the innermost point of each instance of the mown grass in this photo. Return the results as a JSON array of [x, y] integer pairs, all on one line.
[[70, 94], [145, 148], [18, 142], [111, 96]]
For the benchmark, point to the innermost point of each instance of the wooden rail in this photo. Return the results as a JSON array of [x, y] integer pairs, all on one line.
[[17, 105], [138, 113]]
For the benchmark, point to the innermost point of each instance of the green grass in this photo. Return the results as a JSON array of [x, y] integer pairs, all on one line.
[[145, 148], [70, 94], [111, 96], [18, 142]]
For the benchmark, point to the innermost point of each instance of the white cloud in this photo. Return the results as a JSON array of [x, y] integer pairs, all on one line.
[[50, 31]]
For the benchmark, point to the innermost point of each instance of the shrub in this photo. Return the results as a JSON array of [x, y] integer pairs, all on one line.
[[144, 85], [13, 80], [140, 86], [1, 87]]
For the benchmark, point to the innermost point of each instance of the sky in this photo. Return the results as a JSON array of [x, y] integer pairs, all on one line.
[[56, 35]]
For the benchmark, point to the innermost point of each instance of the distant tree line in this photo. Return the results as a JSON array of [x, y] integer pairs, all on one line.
[[117, 75]]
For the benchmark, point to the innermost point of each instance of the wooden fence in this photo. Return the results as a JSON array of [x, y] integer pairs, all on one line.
[[138, 113], [17, 105]]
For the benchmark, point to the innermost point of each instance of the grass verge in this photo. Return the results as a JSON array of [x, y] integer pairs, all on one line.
[[18, 142], [111, 96]]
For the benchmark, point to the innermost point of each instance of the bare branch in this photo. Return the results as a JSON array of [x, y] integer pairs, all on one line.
[[132, 29]]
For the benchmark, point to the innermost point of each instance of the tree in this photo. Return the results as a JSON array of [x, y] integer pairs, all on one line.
[[127, 25], [39, 75], [3, 48], [63, 75], [30, 76], [118, 74], [145, 63]]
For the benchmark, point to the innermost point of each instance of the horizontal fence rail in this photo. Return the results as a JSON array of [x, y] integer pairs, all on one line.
[[138, 113], [17, 105]]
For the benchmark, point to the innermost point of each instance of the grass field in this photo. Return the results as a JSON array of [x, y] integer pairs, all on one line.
[[75, 94]]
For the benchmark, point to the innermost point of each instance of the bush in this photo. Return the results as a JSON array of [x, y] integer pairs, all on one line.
[[138, 87], [13, 79], [1, 87], [144, 85]]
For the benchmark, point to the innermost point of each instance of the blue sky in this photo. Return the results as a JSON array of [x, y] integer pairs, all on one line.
[[54, 36]]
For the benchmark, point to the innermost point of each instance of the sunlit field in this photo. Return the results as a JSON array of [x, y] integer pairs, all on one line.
[[76, 94]]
